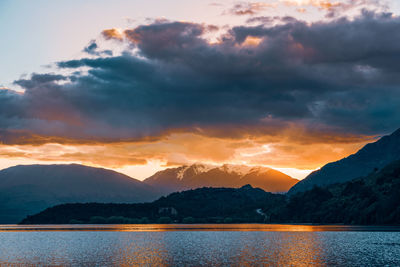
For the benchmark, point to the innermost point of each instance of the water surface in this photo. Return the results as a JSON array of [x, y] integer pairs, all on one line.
[[199, 245]]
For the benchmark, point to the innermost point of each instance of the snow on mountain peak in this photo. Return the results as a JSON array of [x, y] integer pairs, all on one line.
[[181, 171], [242, 169], [196, 168]]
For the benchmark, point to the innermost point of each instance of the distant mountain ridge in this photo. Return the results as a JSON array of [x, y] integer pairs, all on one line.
[[371, 200], [27, 189], [371, 157], [233, 176]]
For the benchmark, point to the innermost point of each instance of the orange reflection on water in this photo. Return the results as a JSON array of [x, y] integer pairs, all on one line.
[[196, 227]]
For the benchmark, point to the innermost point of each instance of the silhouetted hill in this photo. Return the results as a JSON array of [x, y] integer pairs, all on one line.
[[200, 205], [374, 199], [29, 189], [232, 176], [372, 156]]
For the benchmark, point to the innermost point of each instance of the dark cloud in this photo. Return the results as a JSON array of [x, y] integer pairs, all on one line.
[[92, 49], [342, 76], [39, 79]]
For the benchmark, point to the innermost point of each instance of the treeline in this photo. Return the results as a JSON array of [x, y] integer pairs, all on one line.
[[374, 199], [204, 205]]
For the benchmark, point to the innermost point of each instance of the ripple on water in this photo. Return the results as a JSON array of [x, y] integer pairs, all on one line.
[[243, 246]]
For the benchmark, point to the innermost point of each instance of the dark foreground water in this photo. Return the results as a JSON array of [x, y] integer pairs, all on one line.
[[199, 245]]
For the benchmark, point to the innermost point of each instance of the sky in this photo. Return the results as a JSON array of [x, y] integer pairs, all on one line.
[[139, 86]]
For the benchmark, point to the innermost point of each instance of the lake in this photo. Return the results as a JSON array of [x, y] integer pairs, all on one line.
[[199, 245]]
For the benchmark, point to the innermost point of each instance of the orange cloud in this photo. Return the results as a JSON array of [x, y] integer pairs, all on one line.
[[252, 41], [322, 4], [285, 145], [294, 148], [113, 33]]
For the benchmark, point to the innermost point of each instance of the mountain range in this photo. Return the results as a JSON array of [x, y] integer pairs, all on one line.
[[370, 200], [29, 189], [233, 176]]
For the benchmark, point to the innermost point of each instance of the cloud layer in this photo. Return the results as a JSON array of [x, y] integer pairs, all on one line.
[[332, 82]]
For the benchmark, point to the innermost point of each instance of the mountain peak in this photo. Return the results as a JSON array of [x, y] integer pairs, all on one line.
[[198, 168], [247, 186], [228, 175]]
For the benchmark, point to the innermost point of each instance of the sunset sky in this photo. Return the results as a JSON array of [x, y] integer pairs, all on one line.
[[138, 86]]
